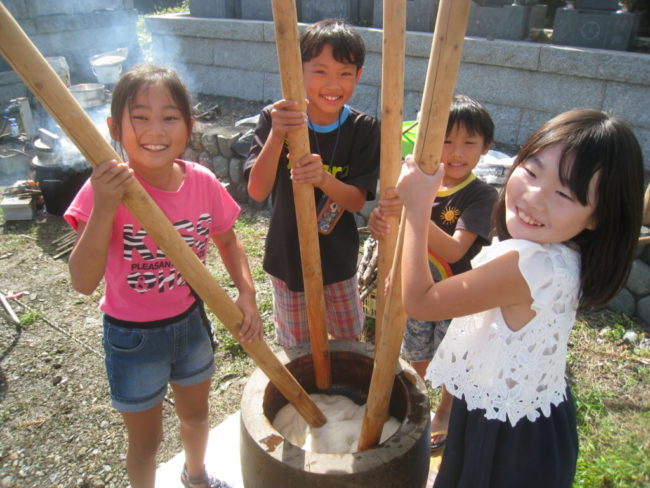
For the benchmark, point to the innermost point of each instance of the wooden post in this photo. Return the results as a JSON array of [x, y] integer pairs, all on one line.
[[444, 62], [290, 64], [392, 111], [44, 83]]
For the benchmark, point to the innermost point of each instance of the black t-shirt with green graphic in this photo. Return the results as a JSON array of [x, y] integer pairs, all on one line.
[[350, 151]]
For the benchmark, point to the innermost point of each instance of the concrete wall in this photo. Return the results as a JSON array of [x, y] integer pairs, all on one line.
[[521, 83], [75, 29]]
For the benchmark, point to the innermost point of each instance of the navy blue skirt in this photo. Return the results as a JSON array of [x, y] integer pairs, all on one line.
[[489, 453]]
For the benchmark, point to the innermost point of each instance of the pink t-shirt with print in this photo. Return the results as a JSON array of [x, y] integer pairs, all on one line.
[[141, 283]]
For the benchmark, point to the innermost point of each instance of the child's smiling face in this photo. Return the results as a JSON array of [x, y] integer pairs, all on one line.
[[329, 85], [154, 132], [539, 207], [461, 153]]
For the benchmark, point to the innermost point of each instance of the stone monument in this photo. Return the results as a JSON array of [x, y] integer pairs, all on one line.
[[505, 19], [603, 24]]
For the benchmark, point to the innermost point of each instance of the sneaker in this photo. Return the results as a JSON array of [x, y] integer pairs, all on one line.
[[203, 481]]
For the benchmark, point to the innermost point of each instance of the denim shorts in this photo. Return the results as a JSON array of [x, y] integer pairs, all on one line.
[[140, 362]]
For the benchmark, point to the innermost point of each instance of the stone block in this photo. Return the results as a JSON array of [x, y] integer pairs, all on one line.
[[242, 145], [11, 87], [415, 70], [609, 5], [529, 89], [592, 63], [17, 8], [315, 10], [623, 100], [190, 154], [194, 50], [602, 30], [412, 103], [225, 140], [220, 166], [184, 25], [418, 44], [507, 122], [238, 54], [227, 9], [51, 7], [256, 9], [509, 54], [209, 143], [643, 309], [507, 22], [272, 88], [623, 302], [366, 98], [420, 15], [639, 280], [235, 170], [205, 160], [218, 80]]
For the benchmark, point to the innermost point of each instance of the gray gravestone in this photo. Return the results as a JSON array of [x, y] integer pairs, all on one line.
[[315, 10], [214, 9], [420, 15], [595, 29], [512, 22], [256, 10]]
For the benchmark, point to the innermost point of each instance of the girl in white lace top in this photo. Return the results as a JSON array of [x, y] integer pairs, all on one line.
[[567, 222]]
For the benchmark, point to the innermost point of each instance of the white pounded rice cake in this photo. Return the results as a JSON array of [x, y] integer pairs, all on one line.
[[341, 432]]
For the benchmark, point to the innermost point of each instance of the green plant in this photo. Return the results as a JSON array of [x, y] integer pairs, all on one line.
[[29, 317]]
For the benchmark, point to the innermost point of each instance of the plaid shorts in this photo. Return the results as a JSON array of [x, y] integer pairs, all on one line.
[[342, 304]]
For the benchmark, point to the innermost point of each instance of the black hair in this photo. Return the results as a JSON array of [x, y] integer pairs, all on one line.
[[594, 144], [473, 116], [347, 45], [143, 75]]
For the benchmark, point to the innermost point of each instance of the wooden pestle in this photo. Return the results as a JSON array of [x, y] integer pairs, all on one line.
[[290, 65], [444, 62], [392, 112], [44, 83]]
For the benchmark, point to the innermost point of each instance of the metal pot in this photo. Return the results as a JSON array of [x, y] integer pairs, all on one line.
[[88, 94]]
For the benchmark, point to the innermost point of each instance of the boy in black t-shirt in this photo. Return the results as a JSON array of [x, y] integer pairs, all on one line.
[[343, 169], [461, 213]]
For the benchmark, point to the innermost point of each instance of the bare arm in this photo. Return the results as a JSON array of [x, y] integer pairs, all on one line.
[[450, 247], [236, 263], [498, 283], [262, 174], [88, 258]]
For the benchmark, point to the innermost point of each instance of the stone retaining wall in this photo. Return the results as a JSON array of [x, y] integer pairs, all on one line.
[[521, 83]]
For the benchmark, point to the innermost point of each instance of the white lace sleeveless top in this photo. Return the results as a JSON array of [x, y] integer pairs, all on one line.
[[515, 374]]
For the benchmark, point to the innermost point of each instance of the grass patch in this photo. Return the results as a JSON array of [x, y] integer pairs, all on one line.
[[610, 387]]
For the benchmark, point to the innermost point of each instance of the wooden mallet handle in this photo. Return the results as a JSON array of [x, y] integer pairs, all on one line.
[[444, 62], [44, 83], [392, 111], [290, 64]]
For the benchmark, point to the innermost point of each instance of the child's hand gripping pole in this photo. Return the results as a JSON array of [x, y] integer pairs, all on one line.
[[44, 83], [290, 64], [444, 62]]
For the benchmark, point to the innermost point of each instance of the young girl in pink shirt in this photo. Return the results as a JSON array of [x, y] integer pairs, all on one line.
[[153, 329]]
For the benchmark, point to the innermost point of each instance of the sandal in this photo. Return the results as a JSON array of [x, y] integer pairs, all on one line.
[[203, 481], [438, 445]]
